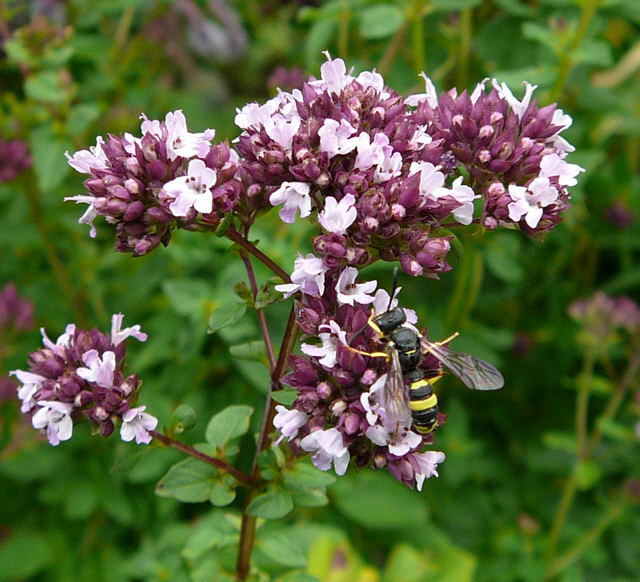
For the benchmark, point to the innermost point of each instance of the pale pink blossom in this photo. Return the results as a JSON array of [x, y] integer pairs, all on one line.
[[338, 216], [180, 142], [462, 194], [136, 423], [84, 161], [99, 369], [90, 213], [329, 449], [431, 179], [54, 418], [62, 341], [288, 422], [192, 190], [519, 107], [427, 464], [307, 277], [349, 292], [335, 138], [295, 197], [529, 202], [430, 95], [370, 153], [399, 442], [328, 351], [552, 165], [118, 335], [282, 130], [30, 384]]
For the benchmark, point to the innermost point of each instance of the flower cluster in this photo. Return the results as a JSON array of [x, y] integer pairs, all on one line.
[[148, 186], [81, 375], [383, 174], [602, 316], [14, 159], [340, 413]]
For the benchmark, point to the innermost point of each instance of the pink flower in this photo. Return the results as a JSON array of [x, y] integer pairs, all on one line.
[[430, 95], [84, 161], [335, 138], [30, 384], [288, 422], [338, 216], [529, 202], [98, 370], [295, 197], [180, 142], [90, 213], [62, 341], [330, 339], [281, 130], [329, 449], [349, 292], [192, 190], [399, 442], [370, 153], [54, 417], [136, 423], [519, 107], [431, 180], [553, 165], [333, 74], [427, 464], [118, 335], [307, 277], [463, 194]]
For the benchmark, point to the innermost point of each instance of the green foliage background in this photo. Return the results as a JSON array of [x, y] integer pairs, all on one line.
[[86, 510]]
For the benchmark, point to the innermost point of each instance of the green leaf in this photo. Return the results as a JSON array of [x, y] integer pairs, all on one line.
[[216, 530], [503, 257], [23, 555], [377, 501], [48, 157], [287, 396], [542, 34], [228, 424], [47, 87], [81, 117], [226, 314], [304, 475], [563, 441], [189, 481], [588, 473], [190, 297], [251, 351], [222, 494], [380, 21], [406, 564], [451, 5], [298, 577], [267, 294], [309, 497], [282, 547], [184, 417], [273, 504]]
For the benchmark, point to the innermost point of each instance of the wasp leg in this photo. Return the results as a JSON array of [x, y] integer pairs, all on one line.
[[447, 340], [370, 354]]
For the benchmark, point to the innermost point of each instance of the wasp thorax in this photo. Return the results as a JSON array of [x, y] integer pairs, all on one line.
[[391, 319]]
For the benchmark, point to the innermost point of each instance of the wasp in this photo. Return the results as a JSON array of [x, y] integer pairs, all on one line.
[[408, 395]]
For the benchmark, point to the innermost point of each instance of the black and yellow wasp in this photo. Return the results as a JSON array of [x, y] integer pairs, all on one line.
[[407, 394]]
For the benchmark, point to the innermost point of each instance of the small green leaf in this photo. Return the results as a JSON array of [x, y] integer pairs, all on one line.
[[282, 547], [267, 294], [214, 531], [309, 497], [190, 297], [304, 475], [297, 577], [23, 555], [380, 21], [225, 224], [251, 351], [189, 481], [588, 473], [81, 117], [273, 504], [287, 396], [226, 314], [563, 441], [46, 86], [48, 157], [184, 417], [222, 494], [228, 424]]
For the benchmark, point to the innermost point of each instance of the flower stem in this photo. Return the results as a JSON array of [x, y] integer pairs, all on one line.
[[571, 555], [236, 237], [248, 527], [467, 286], [196, 454], [569, 492], [343, 29], [57, 265], [261, 318], [565, 64]]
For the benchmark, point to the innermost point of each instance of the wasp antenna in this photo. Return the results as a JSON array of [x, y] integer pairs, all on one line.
[[394, 286]]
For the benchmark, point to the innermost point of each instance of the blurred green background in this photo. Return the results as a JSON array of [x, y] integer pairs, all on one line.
[[86, 510]]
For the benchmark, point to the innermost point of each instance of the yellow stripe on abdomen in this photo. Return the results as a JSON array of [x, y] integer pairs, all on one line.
[[423, 404]]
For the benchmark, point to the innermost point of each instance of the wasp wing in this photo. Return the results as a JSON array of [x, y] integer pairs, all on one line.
[[474, 373], [396, 399]]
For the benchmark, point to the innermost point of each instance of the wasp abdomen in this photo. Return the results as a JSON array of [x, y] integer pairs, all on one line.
[[424, 406]]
